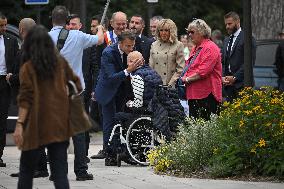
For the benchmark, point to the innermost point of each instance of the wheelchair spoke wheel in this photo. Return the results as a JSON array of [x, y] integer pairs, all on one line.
[[140, 138]]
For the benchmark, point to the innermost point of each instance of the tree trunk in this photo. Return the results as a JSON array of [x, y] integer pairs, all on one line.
[[267, 18]]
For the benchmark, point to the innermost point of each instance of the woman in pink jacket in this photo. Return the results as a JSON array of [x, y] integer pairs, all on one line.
[[203, 79]]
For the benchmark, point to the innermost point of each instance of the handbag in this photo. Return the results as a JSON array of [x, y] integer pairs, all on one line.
[[78, 118], [180, 86]]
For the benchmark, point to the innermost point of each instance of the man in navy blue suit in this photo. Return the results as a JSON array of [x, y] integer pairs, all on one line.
[[142, 43], [233, 57], [113, 86]]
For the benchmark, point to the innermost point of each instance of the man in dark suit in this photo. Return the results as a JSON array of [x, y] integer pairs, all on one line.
[[142, 43], [8, 52], [111, 90], [233, 57]]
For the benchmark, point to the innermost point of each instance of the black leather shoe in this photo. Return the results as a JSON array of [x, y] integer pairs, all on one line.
[[51, 178], [87, 160], [15, 174], [39, 174], [83, 177], [100, 155], [2, 164], [110, 162]]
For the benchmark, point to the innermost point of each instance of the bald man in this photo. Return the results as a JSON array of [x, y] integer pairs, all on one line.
[[13, 78], [119, 24]]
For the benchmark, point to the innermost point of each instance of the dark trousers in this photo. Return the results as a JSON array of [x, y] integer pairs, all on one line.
[[108, 112], [231, 92], [202, 108], [87, 99], [4, 106], [96, 114], [42, 161], [281, 84], [58, 163], [80, 164]]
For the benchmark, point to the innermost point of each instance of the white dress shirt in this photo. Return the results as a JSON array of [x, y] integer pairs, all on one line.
[[3, 68]]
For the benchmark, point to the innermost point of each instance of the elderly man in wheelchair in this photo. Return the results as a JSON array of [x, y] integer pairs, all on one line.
[[149, 121]]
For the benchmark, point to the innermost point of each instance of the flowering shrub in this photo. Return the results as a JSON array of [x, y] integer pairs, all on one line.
[[251, 135], [191, 150]]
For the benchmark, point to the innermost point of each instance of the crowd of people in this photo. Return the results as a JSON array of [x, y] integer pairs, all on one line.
[[115, 69]]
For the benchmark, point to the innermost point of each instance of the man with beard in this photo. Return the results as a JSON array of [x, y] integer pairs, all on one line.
[[142, 43], [233, 57]]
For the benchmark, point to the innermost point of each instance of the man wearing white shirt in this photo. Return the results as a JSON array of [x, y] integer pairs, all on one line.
[[8, 53], [233, 57], [72, 51], [142, 43]]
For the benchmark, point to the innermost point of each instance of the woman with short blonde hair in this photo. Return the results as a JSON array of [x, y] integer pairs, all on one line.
[[166, 54]]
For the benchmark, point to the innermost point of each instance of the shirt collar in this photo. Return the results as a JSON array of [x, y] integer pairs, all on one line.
[[114, 35], [56, 28], [237, 32], [120, 51]]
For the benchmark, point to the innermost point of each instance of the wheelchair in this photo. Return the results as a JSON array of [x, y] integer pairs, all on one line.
[[132, 139]]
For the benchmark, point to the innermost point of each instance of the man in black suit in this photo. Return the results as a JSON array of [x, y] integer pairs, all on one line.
[[233, 57], [8, 52], [142, 43]]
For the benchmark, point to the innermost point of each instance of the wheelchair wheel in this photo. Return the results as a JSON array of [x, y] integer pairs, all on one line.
[[140, 138]]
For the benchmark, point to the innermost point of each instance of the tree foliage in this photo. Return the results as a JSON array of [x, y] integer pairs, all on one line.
[[180, 11]]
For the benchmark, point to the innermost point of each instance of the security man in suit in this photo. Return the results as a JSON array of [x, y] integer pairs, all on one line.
[[8, 52], [233, 57], [110, 91], [142, 43]]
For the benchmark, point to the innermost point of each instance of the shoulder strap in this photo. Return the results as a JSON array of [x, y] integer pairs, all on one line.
[[191, 61], [62, 38]]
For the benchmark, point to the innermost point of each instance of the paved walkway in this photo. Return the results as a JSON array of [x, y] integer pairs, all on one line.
[[124, 177]]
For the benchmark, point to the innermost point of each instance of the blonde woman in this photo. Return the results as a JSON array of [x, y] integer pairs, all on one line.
[[166, 54]]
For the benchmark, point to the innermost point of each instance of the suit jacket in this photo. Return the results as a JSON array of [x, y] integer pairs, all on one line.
[[11, 50], [143, 45], [236, 59], [111, 75], [279, 60]]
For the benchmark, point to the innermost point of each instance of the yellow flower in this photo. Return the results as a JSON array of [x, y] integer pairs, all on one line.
[[248, 112], [261, 142], [253, 150], [242, 123], [226, 104], [215, 151]]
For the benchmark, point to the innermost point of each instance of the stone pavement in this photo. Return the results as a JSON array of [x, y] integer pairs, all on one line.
[[124, 177]]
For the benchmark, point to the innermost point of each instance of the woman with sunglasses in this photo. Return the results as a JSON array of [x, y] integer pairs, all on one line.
[[203, 78], [166, 54]]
